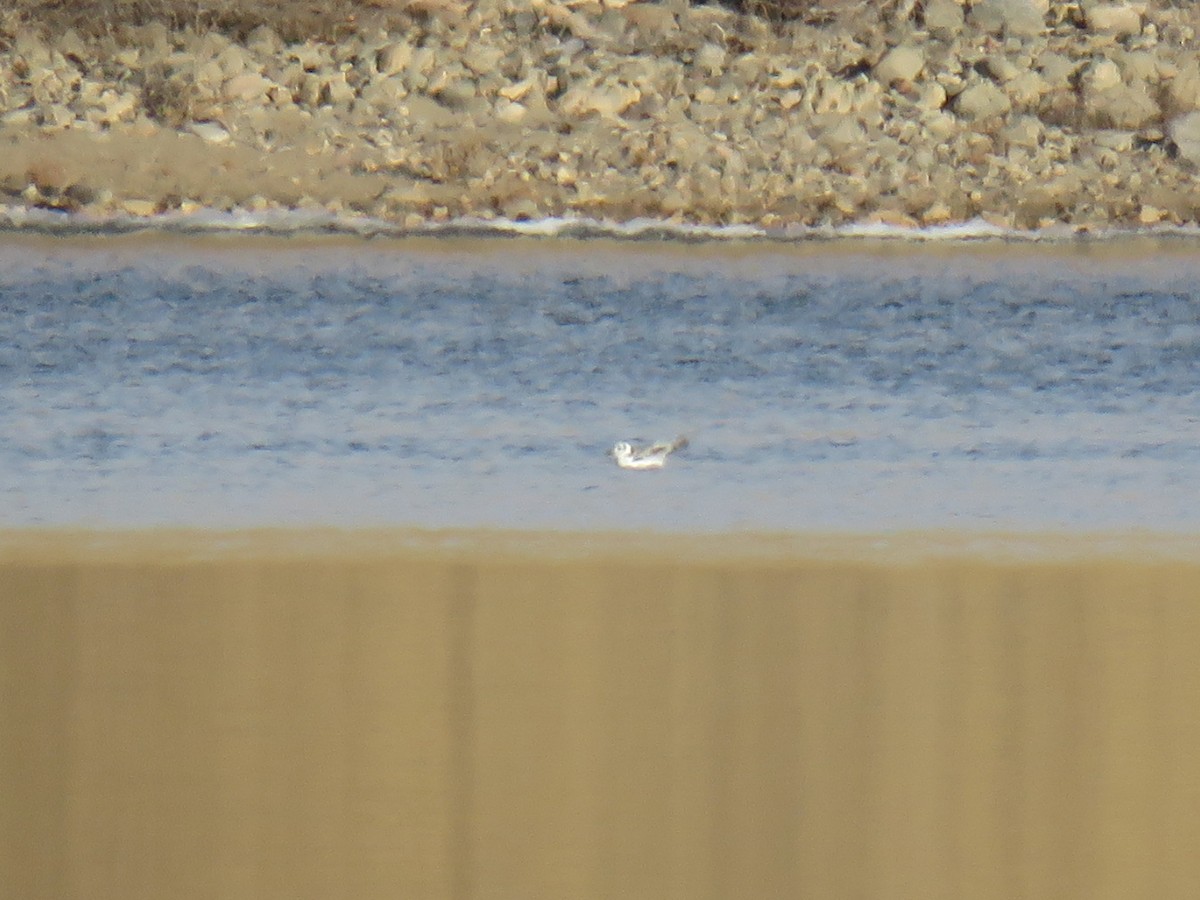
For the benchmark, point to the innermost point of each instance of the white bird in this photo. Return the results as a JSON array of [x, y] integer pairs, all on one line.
[[652, 457]]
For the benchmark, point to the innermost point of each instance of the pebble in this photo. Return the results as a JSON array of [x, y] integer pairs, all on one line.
[[1117, 19], [981, 100], [902, 63], [210, 132], [139, 207], [1023, 18], [1184, 132]]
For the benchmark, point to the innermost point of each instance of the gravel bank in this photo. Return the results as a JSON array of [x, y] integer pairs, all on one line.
[[1026, 114]]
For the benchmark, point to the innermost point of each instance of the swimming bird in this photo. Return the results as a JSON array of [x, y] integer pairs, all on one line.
[[652, 457]]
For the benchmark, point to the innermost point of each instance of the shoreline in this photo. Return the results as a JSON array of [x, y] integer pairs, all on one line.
[[192, 546], [1012, 118], [293, 224]]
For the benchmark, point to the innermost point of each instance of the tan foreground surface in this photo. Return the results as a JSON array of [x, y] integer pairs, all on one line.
[[389, 715]]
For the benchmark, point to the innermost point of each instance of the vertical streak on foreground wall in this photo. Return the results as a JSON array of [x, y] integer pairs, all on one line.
[[497, 727]]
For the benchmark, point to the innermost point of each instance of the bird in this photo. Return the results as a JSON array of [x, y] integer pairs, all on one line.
[[652, 457]]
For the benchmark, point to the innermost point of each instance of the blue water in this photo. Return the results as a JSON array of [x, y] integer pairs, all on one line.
[[235, 381]]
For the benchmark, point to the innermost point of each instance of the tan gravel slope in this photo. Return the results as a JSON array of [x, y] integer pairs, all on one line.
[[1025, 113]]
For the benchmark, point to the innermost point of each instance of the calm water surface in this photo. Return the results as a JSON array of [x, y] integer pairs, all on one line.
[[247, 381]]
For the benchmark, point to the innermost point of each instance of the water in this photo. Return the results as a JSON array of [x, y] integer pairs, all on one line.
[[243, 381]]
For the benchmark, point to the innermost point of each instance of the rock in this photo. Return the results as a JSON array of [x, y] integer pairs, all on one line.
[[710, 59], [309, 55], [1024, 131], [77, 195], [383, 94], [248, 86], [790, 99], [653, 19], [1151, 215], [1021, 18], [1102, 75], [843, 133], [1183, 91], [19, 118], [607, 100], [932, 97], [509, 112], [210, 132], [57, 115], [1131, 106], [517, 90], [114, 107], [1110, 102], [457, 93], [483, 60], [336, 91], [903, 63], [981, 100], [427, 112], [1056, 69], [940, 126], [1121, 141], [33, 55], [394, 58], [1117, 19], [788, 77], [139, 207], [263, 41], [1026, 89], [1002, 69], [1184, 132], [944, 18], [234, 60]]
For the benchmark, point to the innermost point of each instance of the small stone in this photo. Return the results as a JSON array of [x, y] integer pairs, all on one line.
[[509, 112], [517, 90], [1121, 141], [1056, 69], [394, 58], [1002, 69], [57, 116], [1117, 19], [483, 60], [790, 99], [1025, 131], [1184, 132], [901, 63], [112, 108], [932, 97], [19, 118], [1021, 18], [248, 86], [788, 78], [310, 56], [606, 100], [79, 194], [139, 208], [1151, 215], [1102, 75], [1126, 106], [210, 132], [710, 59], [943, 18], [940, 126], [336, 91], [981, 100], [937, 214]]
